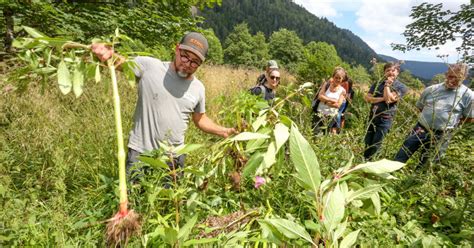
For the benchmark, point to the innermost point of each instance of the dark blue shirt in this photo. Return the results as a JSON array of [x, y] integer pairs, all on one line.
[[382, 108]]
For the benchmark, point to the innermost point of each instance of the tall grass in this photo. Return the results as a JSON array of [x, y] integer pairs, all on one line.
[[57, 163]]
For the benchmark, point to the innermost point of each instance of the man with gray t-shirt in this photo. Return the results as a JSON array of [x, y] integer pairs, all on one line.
[[443, 106], [168, 96]]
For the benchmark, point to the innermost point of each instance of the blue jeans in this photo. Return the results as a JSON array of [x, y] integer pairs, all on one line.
[[378, 128], [420, 137], [135, 171], [341, 111]]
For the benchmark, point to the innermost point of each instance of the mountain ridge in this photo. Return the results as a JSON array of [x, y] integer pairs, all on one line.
[[268, 16], [421, 69]]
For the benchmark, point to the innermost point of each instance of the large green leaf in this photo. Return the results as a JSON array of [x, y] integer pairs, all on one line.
[[363, 193], [97, 73], [186, 229], [333, 208], [252, 164], [260, 121], [155, 162], [379, 167], [128, 69], [290, 229], [281, 133], [270, 233], [349, 240], [64, 78], [339, 230], [33, 32], [187, 148], [170, 235], [78, 80], [268, 159], [249, 136], [305, 160], [376, 201]]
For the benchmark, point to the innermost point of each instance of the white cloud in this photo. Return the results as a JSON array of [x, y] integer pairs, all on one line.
[[390, 17], [384, 23], [381, 22]]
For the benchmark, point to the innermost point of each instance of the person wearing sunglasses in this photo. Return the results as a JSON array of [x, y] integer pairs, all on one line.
[[270, 66], [329, 98], [169, 96], [268, 88]]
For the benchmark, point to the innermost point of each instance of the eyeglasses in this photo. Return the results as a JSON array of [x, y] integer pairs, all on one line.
[[275, 78], [185, 59]]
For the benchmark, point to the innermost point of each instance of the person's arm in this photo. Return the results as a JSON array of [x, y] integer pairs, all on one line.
[[420, 104], [337, 103], [468, 111], [322, 97], [372, 99], [104, 53], [389, 95], [207, 125]]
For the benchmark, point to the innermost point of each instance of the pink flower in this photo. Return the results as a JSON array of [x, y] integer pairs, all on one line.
[[259, 181]]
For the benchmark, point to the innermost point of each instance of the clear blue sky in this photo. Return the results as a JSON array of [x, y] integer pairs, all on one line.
[[380, 23]]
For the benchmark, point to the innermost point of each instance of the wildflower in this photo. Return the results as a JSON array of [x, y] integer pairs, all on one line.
[[259, 181]]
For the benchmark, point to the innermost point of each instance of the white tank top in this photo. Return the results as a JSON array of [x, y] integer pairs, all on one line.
[[327, 110]]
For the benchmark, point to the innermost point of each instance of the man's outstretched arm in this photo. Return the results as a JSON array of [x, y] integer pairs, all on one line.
[[207, 125]]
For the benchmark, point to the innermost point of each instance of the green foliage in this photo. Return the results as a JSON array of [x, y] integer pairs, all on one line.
[[319, 61], [57, 186], [270, 16], [438, 78], [261, 49], [286, 47], [359, 74], [433, 27], [215, 54], [407, 78], [241, 48], [158, 25]]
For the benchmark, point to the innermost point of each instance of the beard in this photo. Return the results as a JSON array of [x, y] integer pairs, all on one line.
[[182, 74]]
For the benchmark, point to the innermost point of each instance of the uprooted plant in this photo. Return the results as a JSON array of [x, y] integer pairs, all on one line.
[[48, 57]]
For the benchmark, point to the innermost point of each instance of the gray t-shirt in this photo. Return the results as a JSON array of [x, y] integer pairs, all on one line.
[[165, 103], [442, 108]]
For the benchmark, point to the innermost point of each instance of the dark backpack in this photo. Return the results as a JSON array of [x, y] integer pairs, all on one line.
[[261, 79], [262, 89], [315, 102]]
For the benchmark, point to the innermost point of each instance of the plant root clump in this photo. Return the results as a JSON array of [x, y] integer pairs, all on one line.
[[121, 227], [226, 224]]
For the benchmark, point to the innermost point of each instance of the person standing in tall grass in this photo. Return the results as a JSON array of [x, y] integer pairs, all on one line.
[[443, 107], [168, 96], [383, 97], [271, 66], [268, 88], [330, 97]]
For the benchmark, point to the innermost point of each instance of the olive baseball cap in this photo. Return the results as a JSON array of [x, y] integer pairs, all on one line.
[[195, 43], [272, 64]]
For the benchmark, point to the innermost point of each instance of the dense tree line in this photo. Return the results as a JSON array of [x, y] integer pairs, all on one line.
[[269, 16], [157, 25]]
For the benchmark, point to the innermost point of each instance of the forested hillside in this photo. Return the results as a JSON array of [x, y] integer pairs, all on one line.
[[271, 15], [424, 70]]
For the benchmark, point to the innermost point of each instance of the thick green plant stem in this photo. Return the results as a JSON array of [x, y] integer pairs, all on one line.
[[120, 144]]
